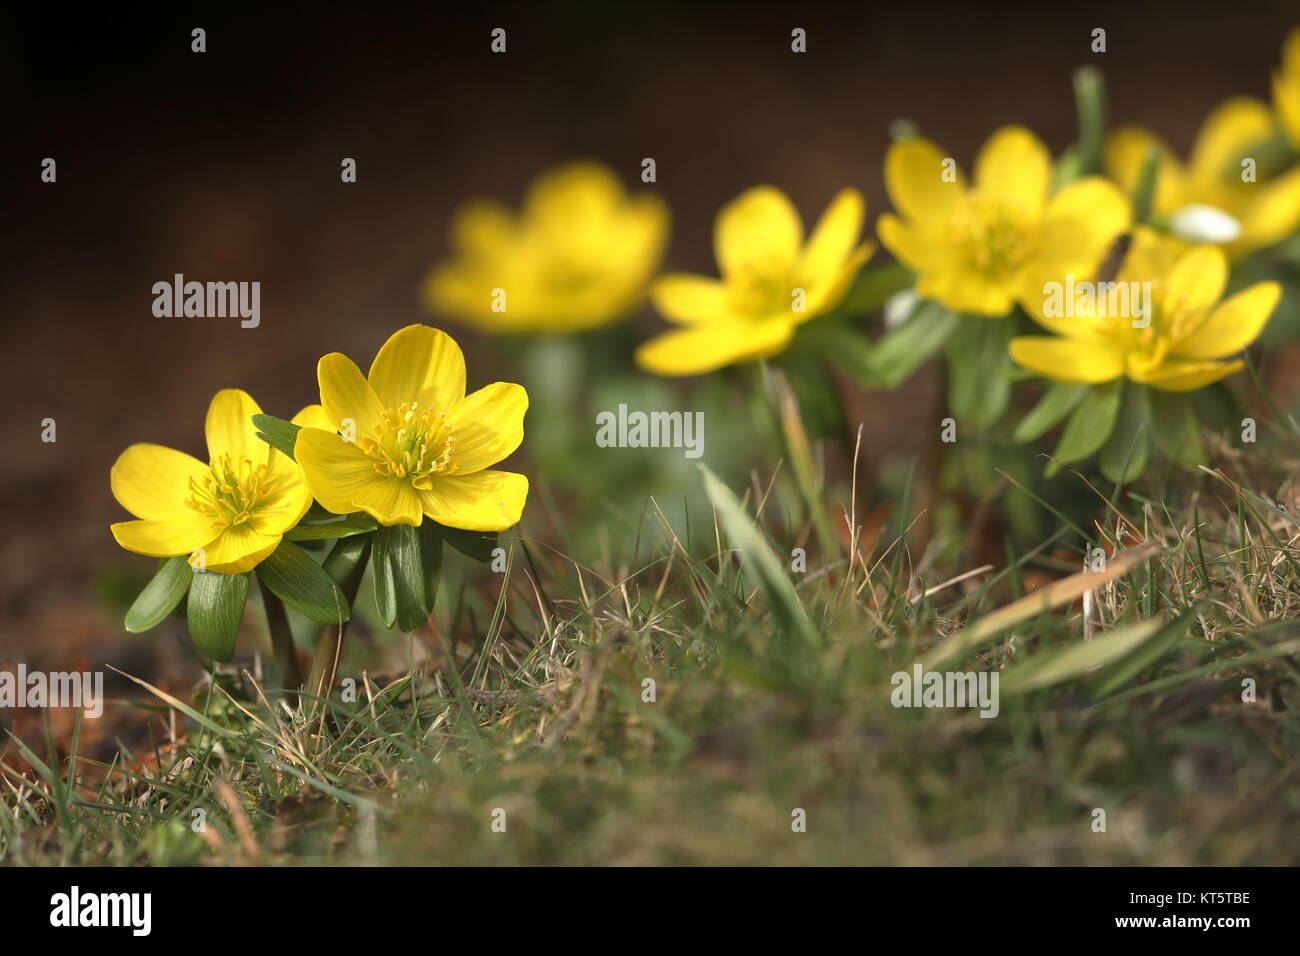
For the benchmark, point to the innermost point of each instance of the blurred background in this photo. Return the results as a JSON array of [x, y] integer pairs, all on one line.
[[225, 166]]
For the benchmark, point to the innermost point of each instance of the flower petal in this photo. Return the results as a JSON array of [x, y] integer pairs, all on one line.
[[346, 394], [1175, 376], [163, 538], [336, 471], [914, 179], [237, 549], [1014, 169], [487, 426], [1196, 280], [1067, 360], [389, 501], [1126, 151], [313, 416], [833, 240], [827, 292], [964, 289], [284, 508], [419, 364], [229, 427], [1232, 326], [692, 300], [1272, 214], [484, 501], [759, 232], [1080, 223], [696, 350], [152, 481], [1231, 130], [913, 245]]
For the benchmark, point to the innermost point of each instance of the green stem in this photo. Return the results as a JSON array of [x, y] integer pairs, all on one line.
[[329, 649], [1090, 97], [277, 622], [1144, 196]]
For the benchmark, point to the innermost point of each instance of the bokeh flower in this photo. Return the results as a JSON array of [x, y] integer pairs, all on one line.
[[579, 255], [1185, 340], [235, 508], [407, 442], [1207, 200], [1286, 88], [772, 281], [978, 249]]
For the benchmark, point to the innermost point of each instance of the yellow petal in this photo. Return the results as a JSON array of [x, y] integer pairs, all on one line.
[[1229, 133], [581, 190], [1174, 376], [482, 228], [419, 364], [1067, 360], [1151, 256], [164, 538], [487, 426], [284, 508], [484, 501], [346, 394], [236, 550], [1080, 224], [964, 289], [833, 240], [1126, 151], [1273, 213], [389, 501], [313, 416], [1232, 326], [1196, 280], [229, 427], [912, 245], [152, 481], [914, 179], [336, 471], [759, 232], [827, 293], [693, 300], [1014, 169], [696, 350]]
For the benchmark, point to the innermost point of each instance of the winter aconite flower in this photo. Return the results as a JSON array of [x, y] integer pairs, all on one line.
[[579, 255], [232, 510], [772, 280], [1173, 334], [1286, 89], [1227, 194], [978, 248], [407, 442]]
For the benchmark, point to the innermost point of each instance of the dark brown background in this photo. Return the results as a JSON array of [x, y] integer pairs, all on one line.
[[225, 166]]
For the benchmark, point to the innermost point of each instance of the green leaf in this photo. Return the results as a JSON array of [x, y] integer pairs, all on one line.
[[1176, 430], [161, 595], [216, 606], [277, 433], [1057, 402], [979, 363], [1089, 425], [344, 558], [1059, 664], [903, 349], [1125, 669], [337, 526], [1124, 456], [758, 560], [399, 571], [431, 561], [303, 584], [473, 544]]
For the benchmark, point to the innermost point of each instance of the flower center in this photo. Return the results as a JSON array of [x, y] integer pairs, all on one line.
[[231, 490], [994, 242], [762, 291], [411, 442]]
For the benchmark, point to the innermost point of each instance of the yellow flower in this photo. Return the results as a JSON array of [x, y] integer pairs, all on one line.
[[976, 249], [1286, 88], [1207, 200], [235, 508], [578, 256], [1189, 335], [772, 281], [408, 442]]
